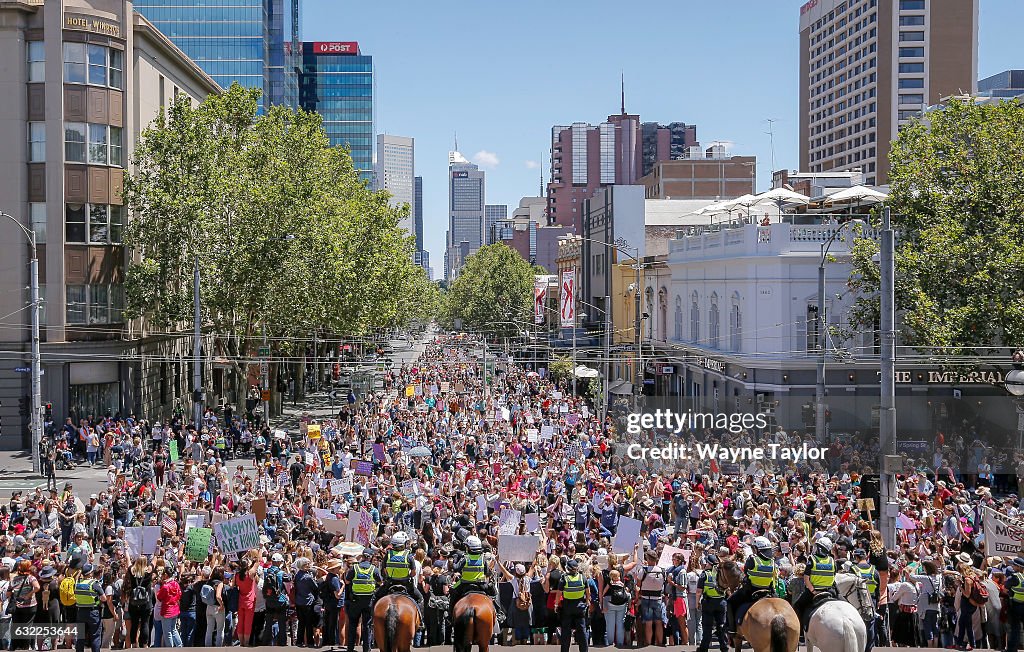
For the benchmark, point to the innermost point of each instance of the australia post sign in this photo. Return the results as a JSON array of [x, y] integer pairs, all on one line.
[[335, 47]]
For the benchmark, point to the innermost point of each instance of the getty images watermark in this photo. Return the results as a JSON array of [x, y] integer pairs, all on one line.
[[734, 423]]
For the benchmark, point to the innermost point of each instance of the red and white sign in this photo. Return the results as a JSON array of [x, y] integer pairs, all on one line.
[[540, 292], [568, 299], [335, 47]]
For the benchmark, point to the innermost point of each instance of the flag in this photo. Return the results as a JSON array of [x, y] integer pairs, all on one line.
[[568, 299], [846, 516], [540, 291]]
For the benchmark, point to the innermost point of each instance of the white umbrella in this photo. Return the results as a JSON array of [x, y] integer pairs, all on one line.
[[743, 201], [859, 194], [584, 371], [714, 208], [783, 197]]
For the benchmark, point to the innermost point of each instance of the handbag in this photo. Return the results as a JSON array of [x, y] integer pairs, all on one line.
[[908, 608]]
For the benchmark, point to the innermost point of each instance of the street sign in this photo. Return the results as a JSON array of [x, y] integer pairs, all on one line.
[[334, 395], [263, 367], [23, 370], [264, 351], [265, 395]]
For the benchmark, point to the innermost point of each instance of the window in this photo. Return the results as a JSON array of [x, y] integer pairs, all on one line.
[[116, 68], [911, 36], [98, 65], [74, 63], [694, 318], [813, 341], [74, 142], [910, 114], [714, 323], [911, 21], [735, 325], [74, 223], [99, 304], [36, 61], [36, 142], [99, 223], [37, 218], [911, 5], [98, 149], [679, 318], [913, 82], [115, 147], [911, 52], [116, 223], [95, 304], [75, 304], [913, 98], [912, 67]]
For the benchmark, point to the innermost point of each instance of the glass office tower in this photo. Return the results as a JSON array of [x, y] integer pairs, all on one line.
[[337, 82], [253, 42]]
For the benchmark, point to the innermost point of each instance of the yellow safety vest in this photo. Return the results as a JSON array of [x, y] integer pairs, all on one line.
[[85, 594], [711, 585], [397, 565], [762, 574], [870, 577], [822, 572], [575, 587], [1017, 593], [363, 583], [473, 571]]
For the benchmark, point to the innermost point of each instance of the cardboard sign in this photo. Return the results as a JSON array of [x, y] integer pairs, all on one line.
[[626, 536], [665, 562], [364, 534], [362, 467], [866, 504], [547, 432], [173, 447], [313, 431], [532, 522], [336, 525], [445, 386], [518, 547], [238, 534], [410, 391], [508, 521], [324, 514], [142, 540], [194, 521], [197, 544], [259, 508], [410, 488], [532, 435]]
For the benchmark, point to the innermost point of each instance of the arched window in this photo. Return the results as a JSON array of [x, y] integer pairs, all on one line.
[[679, 318], [735, 324], [713, 322], [694, 318], [663, 314]]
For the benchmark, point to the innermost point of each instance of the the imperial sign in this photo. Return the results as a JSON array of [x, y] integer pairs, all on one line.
[[335, 47]]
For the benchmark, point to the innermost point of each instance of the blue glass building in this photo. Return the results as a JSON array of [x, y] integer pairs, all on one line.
[[253, 42], [337, 82]]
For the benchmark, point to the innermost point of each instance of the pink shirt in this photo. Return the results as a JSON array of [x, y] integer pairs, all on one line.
[[246, 592], [170, 599]]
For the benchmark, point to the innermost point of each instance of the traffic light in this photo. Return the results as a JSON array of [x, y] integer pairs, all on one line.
[[49, 411]]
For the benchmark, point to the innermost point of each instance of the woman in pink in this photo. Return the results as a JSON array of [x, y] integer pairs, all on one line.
[[245, 580], [169, 596]]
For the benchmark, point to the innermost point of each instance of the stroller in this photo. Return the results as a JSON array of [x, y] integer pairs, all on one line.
[[64, 460]]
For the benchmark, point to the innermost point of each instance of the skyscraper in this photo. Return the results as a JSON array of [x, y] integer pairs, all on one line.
[[466, 191], [417, 220], [669, 142], [253, 42], [869, 66], [493, 213], [395, 172], [337, 82]]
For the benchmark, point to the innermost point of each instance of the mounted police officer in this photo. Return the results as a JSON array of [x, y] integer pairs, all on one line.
[[362, 581], [711, 605], [474, 572], [89, 598], [400, 568], [819, 578], [1015, 591], [760, 573]]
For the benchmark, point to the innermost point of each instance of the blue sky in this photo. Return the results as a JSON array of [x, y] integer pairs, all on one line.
[[500, 74]]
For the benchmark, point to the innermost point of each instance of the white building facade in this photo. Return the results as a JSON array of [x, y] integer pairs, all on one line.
[[396, 172]]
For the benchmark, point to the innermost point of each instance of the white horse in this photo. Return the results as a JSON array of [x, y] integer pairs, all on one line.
[[838, 626]]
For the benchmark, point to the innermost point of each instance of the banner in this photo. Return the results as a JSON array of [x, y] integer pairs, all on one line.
[[568, 298], [238, 534], [197, 545], [518, 547], [540, 292], [1004, 535]]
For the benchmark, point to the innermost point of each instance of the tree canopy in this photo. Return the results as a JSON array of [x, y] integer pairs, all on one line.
[[494, 288], [286, 235], [957, 204]]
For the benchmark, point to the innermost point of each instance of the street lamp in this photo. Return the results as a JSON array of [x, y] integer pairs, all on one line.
[[819, 390], [1014, 383], [36, 417]]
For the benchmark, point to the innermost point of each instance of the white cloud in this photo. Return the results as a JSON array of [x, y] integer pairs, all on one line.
[[486, 159], [532, 165]]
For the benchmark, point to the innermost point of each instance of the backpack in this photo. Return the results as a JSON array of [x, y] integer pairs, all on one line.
[[979, 593], [208, 594], [272, 588], [617, 595], [523, 598], [67, 592], [139, 598]]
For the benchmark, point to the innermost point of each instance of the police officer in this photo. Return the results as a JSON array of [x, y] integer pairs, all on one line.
[[819, 578], [473, 571], [711, 605], [572, 596], [1015, 591], [361, 581], [865, 570], [760, 574], [89, 598], [399, 569]]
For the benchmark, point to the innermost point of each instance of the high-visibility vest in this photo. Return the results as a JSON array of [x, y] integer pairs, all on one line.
[[363, 583], [822, 572], [473, 571], [870, 577], [1017, 593], [397, 565], [711, 589], [575, 587], [85, 593], [762, 574]]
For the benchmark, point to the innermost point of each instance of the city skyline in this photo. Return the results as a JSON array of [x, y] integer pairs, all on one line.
[[501, 121]]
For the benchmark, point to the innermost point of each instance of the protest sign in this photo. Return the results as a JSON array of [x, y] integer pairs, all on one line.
[[173, 447], [532, 522], [313, 431], [338, 488], [445, 386], [259, 508], [410, 488], [346, 486], [378, 453], [518, 547], [197, 544], [481, 508], [336, 525], [362, 467], [627, 535], [364, 533], [194, 521], [1004, 535], [508, 521], [532, 435], [410, 391], [142, 540], [237, 534], [323, 514], [547, 432], [667, 552]]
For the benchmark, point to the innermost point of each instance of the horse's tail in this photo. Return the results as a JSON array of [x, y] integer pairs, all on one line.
[[780, 634], [390, 628], [464, 629]]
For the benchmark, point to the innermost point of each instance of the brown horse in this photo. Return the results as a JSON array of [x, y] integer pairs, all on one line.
[[771, 624], [474, 622], [395, 621]]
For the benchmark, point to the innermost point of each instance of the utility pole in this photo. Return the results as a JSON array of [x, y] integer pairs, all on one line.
[[607, 352], [819, 388], [573, 300], [37, 365], [638, 386], [887, 421], [197, 352]]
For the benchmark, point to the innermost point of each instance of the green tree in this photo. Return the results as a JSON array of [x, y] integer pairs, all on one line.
[[561, 368], [956, 203], [494, 287]]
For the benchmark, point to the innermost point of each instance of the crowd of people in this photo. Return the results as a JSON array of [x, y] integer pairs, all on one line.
[[438, 468]]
